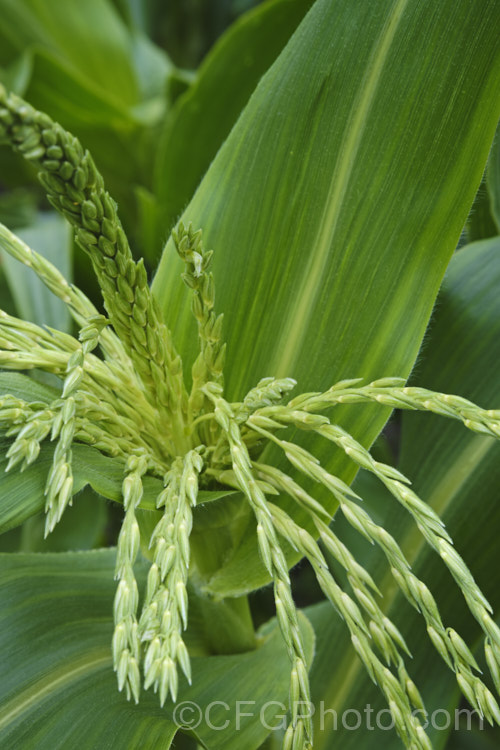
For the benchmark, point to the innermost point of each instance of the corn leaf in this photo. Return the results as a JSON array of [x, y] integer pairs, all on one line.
[[481, 222], [89, 37], [84, 526], [55, 635], [493, 180], [202, 118], [49, 235], [25, 388], [336, 202], [106, 83], [325, 201]]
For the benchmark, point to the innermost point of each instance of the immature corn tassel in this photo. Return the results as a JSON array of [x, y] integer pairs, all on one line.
[[131, 403]]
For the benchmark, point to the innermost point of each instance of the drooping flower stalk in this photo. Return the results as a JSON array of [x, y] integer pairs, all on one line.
[[126, 641], [165, 612], [300, 731], [59, 485], [362, 635]]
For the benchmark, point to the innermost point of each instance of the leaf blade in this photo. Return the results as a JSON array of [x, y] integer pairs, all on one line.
[[332, 150], [258, 287], [56, 626]]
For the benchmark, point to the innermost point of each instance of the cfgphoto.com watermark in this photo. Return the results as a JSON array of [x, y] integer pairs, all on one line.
[[219, 715]]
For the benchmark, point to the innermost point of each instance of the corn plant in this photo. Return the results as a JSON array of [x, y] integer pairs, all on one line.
[[229, 405]]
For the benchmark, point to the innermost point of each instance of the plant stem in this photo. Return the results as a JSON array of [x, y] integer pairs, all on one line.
[[228, 625]]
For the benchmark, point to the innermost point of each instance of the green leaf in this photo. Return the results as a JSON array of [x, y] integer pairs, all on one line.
[[110, 111], [229, 677], [55, 634], [481, 221], [147, 221], [456, 472], [493, 179], [25, 388], [335, 204], [219, 530], [17, 208], [23, 495], [461, 358], [152, 67], [15, 76], [90, 37], [51, 236], [200, 121], [341, 688], [472, 738], [134, 12], [82, 527], [72, 98], [321, 204]]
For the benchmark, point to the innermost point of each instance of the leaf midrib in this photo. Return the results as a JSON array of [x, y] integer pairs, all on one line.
[[51, 683], [297, 323]]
